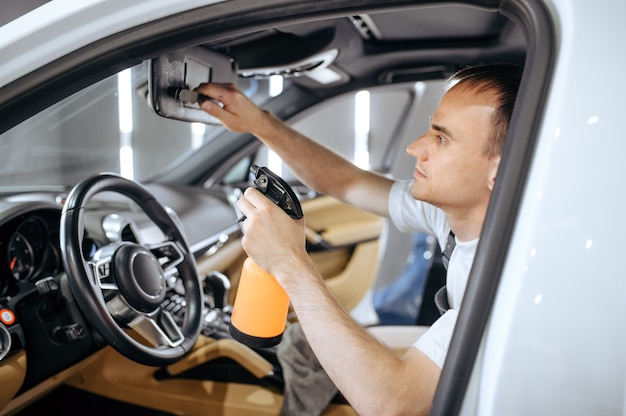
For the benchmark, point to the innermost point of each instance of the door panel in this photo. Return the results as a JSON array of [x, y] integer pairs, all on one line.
[[344, 243]]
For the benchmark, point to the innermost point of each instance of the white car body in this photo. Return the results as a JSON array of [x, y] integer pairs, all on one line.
[[64, 20], [555, 339]]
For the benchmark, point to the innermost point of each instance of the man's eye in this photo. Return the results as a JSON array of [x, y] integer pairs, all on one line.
[[442, 140]]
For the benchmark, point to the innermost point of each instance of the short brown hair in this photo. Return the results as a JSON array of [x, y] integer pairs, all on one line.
[[504, 81]]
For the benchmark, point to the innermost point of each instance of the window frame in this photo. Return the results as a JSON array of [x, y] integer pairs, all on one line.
[[539, 29]]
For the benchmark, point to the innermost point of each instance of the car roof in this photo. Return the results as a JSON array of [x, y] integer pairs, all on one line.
[[385, 46], [374, 42]]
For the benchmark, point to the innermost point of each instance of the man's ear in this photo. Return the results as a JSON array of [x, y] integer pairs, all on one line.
[[493, 171]]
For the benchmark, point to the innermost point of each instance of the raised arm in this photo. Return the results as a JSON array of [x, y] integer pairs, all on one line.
[[315, 165]]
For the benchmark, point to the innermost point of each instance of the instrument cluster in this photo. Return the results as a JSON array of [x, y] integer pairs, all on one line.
[[29, 249]]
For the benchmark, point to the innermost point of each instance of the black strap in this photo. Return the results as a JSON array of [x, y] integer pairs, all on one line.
[[441, 297], [447, 252], [441, 300]]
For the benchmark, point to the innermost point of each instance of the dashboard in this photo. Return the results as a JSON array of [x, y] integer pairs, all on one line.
[[38, 312]]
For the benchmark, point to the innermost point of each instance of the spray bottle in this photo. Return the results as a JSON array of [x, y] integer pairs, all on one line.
[[261, 304]]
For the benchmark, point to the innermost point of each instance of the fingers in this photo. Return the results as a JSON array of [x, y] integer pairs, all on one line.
[[269, 233], [255, 203], [218, 112], [236, 111], [260, 213], [219, 92]]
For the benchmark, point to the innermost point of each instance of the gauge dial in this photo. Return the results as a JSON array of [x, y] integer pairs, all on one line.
[[21, 257], [28, 248]]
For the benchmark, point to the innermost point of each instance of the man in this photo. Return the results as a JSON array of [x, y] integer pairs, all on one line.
[[457, 160]]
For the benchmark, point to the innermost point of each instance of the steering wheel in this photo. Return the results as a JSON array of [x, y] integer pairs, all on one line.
[[124, 284]]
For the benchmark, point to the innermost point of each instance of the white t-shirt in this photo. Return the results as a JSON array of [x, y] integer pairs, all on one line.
[[411, 215]]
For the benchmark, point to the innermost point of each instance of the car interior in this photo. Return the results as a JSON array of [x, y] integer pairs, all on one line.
[[73, 335]]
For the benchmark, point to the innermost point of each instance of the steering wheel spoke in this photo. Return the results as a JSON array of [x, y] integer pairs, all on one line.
[[169, 256], [159, 330], [101, 266]]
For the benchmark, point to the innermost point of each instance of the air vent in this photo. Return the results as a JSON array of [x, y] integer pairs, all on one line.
[[128, 234], [366, 27], [119, 228]]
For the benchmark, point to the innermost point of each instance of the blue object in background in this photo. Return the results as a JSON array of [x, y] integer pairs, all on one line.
[[399, 302]]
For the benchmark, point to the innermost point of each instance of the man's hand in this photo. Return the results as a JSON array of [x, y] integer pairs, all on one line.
[[238, 113], [273, 239]]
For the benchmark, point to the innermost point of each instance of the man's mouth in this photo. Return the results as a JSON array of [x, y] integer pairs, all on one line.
[[417, 174]]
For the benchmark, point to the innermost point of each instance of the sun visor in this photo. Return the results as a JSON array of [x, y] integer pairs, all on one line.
[[173, 78]]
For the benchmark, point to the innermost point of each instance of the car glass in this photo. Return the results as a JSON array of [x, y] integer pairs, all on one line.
[[106, 127]]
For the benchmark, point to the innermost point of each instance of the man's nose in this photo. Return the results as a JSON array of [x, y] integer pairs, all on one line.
[[418, 148]]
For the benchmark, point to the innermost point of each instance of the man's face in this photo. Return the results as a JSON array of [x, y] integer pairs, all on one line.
[[450, 171]]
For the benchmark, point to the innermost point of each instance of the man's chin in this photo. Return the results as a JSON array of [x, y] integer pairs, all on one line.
[[416, 192], [419, 194]]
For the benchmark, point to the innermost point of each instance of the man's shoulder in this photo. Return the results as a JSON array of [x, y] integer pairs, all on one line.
[[410, 214]]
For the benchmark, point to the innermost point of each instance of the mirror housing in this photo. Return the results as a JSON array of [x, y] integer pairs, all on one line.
[[186, 69]]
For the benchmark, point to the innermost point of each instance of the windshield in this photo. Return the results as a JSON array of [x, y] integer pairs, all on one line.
[[107, 127]]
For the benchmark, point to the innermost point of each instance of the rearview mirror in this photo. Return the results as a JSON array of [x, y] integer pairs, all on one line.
[[186, 70]]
